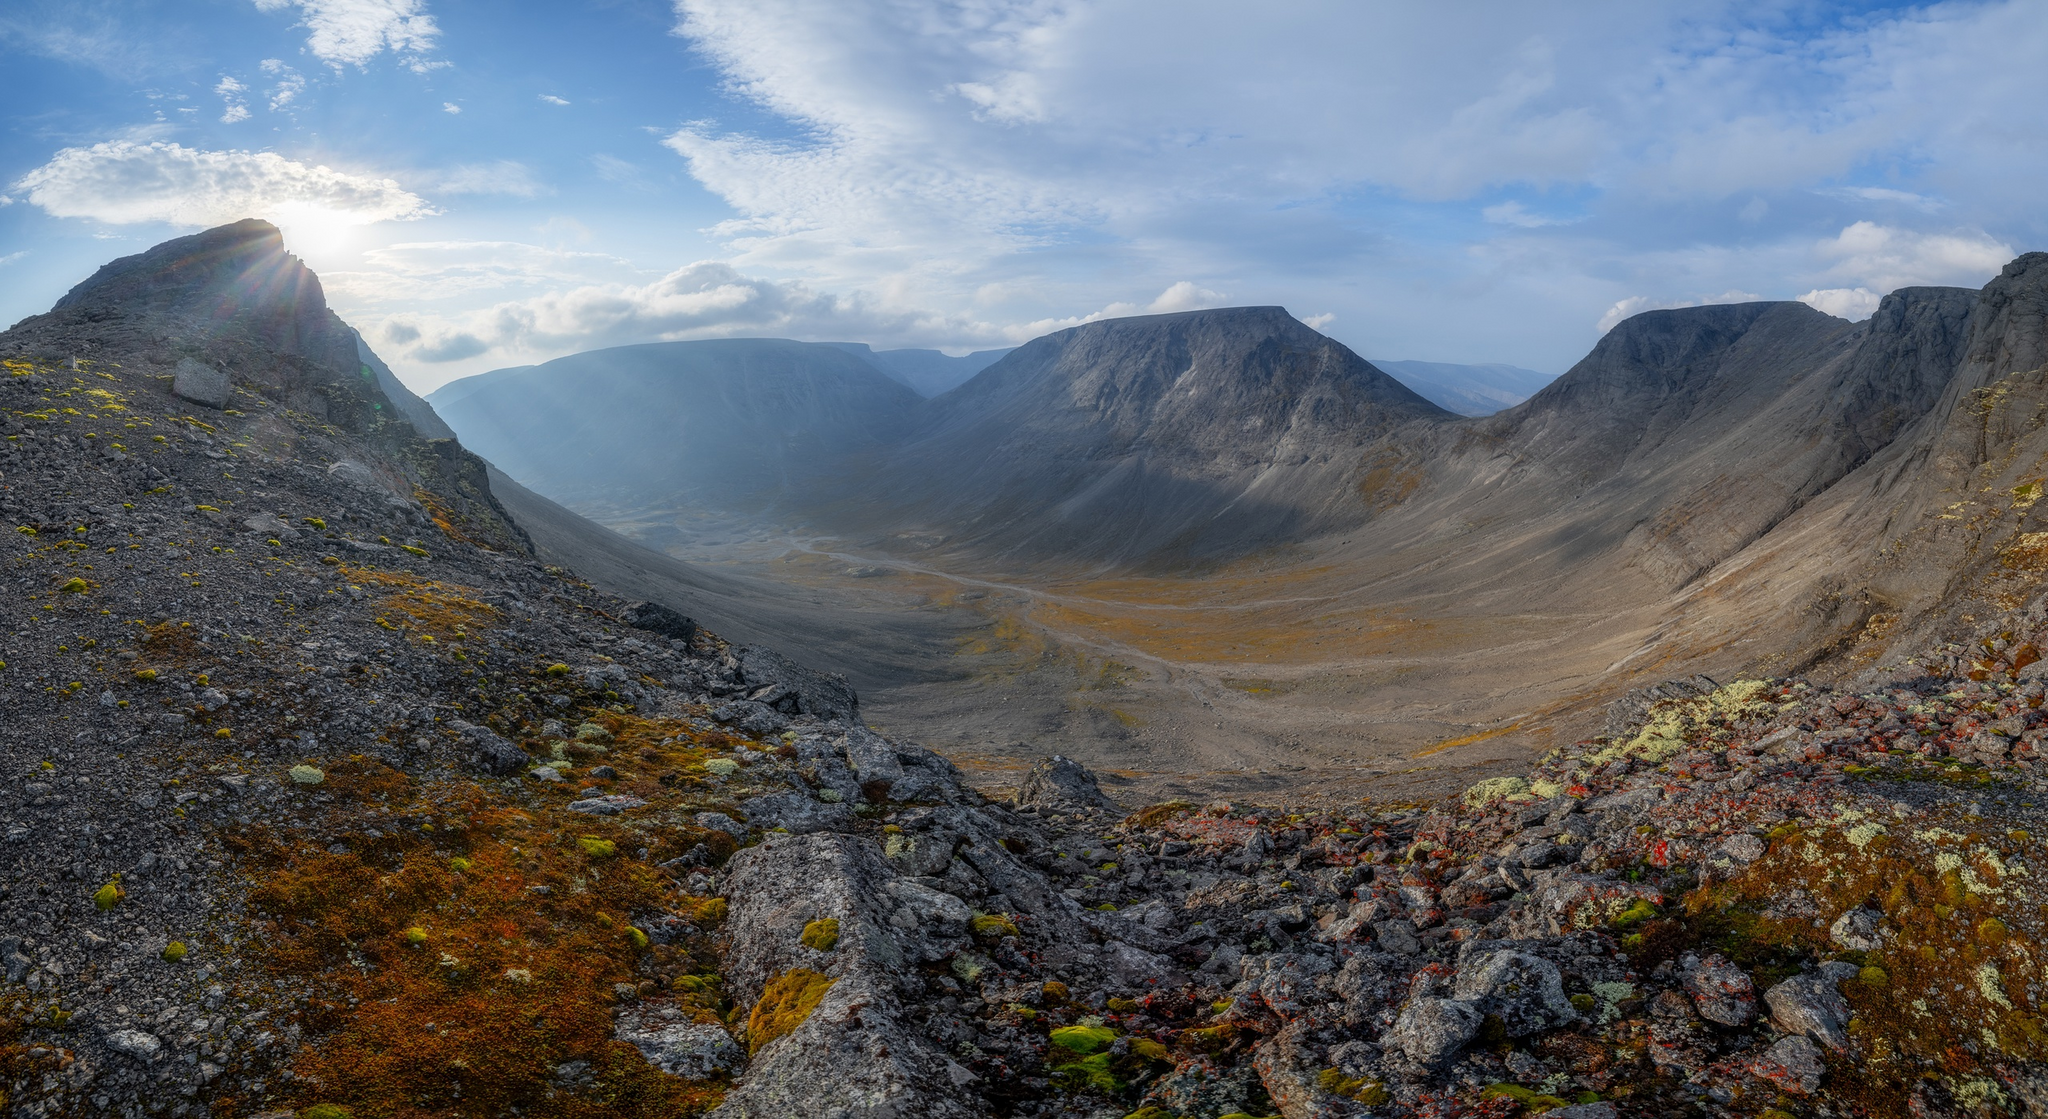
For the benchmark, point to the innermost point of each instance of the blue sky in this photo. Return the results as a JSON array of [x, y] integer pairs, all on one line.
[[484, 184]]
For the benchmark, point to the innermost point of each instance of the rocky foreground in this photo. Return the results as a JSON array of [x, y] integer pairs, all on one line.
[[328, 801]]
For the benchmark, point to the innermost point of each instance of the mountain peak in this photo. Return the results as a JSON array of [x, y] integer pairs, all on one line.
[[231, 283]]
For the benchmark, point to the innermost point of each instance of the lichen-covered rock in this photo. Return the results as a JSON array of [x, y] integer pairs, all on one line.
[[1525, 991], [1793, 1064], [1061, 784], [1722, 992], [779, 682], [1430, 1030], [687, 1049], [1812, 1005], [853, 1054]]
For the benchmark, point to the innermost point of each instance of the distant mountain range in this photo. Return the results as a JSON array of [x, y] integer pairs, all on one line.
[[928, 372], [1468, 390]]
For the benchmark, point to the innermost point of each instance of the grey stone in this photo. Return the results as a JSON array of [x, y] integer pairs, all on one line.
[[489, 750], [754, 718], [201, 383], [1856, 929], [610, 805], [1526, 991], [719, 821], [546, 773], [1741, 850], [1723, 992], [656, 618], [1397, 936], [271, 525], [1812, 1005], [1432, 1030], [1793, 1064], [1061, 784], [135, 1043], [822, 696], [1600, 1110], [685, 1049]]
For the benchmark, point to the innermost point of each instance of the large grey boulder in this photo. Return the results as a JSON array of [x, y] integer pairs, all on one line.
[[678, 1046], [1061, 784], [1812, 1005], [853, 1056], [656, 618], [789, 687], [1430, 1031], [1526, 991], [201, 383]]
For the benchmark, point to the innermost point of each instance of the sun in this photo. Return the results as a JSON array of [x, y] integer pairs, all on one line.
[[312, 231]]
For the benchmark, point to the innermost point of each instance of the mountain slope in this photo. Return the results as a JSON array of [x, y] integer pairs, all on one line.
[[1159, 438], [732, 423]]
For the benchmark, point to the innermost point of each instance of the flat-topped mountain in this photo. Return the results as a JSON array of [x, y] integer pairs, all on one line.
[[734, 423]]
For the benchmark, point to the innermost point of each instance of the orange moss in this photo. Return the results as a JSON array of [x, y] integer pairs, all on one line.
[[786, 1002], [515, 977], [426, 606], [443, 518]]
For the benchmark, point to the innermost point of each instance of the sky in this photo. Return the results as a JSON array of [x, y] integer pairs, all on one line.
[[485, 183]]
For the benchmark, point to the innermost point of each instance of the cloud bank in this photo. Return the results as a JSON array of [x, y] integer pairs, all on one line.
[[122, 182]]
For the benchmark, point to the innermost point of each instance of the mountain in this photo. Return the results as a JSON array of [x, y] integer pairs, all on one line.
[[733, 423], [1468, 390], [1162, 437], [929, 372]]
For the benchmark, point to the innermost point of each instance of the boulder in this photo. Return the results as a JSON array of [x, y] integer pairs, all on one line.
[[1526, 991], [680, 1048], [656, 618], [800, 691], [1431, 1031], [1812, 1005], [1723, 992], [201, 383], [1063, 785], [1793, 1064], [489, 750]]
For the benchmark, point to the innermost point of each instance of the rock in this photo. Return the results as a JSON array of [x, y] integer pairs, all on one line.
[[609, 805], [1062, 785], [685, 1049], [795, 812], [719, 821], [1856, 929], [1740, 850], [1397, 936], [656, 618], [1722, 992], [820, 695], [1432, 1030], [272, 526], [135, 1043], [1793, 1064], [1197, 1086], [1812, 1005], [1600, 1110], [854, 1054], [754, 718], [1526, 991], [201, 383], [546, 773], [489, 750], [1138, 970]]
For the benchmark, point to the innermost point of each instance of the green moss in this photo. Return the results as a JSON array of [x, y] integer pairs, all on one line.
[[174, 951], [1091, 1073], [558, 670], [1635, 914], [638, 937], [74, 586], [785, 1003], [1495, 788], [307, 775], [597, 848], [109, 895], [415, 935], [993, 927], [326, 1111], [1083, 1039], [1584, 1004], [822, 934], [1534, 1101]]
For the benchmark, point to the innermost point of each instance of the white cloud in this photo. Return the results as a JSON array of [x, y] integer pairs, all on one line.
[[1883, 257], [450, 107], [552, 99], [1514, 213], [10, 258], [503, 176], [1854, 304], [1636, 304], [234, 107], [287, 85], [352, 32], [1182, 296], [1317, 322], [122, 181], [1185, 296], [415, 272]]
